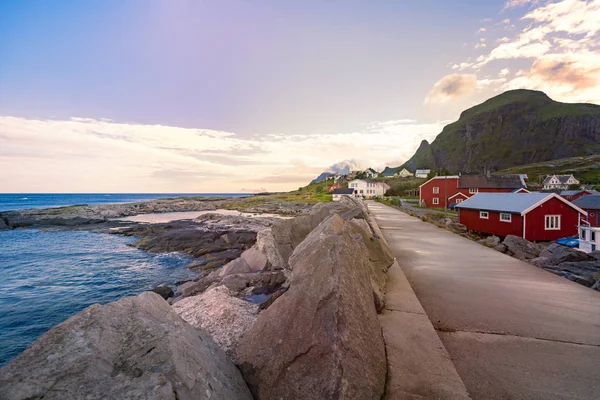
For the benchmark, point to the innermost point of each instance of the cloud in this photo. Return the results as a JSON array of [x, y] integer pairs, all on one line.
[[556, 51], [451, 87], [344, 167], [107, 156]]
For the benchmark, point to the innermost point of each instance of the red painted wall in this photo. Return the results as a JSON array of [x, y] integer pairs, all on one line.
[[593, 216], [447, 189], [535, 221], [493, 225], [575, 197]]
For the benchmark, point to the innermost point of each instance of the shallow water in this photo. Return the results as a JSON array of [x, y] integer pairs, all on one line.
[[48, 276]]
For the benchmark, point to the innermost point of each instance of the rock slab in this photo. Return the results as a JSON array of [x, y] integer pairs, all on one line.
[[321, 339], [520, 248], [135, 348]]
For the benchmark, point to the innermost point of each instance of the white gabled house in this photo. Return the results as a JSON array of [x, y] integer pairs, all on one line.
[[422, 173], [559, 182], [405, 173], [371, 173], [367, 188], [338, 193]]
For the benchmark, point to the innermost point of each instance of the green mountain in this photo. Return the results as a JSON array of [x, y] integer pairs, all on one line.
[[515, 128]]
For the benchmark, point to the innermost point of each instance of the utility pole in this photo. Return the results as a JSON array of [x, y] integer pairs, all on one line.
[[445, 194]]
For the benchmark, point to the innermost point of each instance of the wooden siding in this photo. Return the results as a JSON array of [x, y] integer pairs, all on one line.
[[492, 225], [535, 221]]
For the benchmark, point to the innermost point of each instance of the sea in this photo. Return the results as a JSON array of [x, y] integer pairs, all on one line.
[[47, 276]]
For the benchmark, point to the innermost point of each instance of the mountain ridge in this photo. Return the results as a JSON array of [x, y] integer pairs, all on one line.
[[514, 128]]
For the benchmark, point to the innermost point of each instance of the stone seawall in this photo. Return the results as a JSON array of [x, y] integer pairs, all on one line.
[[296, 312]]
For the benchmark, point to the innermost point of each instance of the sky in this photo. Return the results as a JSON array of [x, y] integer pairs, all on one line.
[[244, 96]]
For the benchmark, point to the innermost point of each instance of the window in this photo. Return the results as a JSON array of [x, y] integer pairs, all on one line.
[[505, 217], [459, 201], [592, 236], [582, 234], [552, 222], [484, 215], [436, 200], [436, 190], [473, 190]]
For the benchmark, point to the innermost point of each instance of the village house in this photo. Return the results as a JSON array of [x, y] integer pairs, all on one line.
[[591, 204], [338, 193], [371, 173], [422, 173], [389, 172], [533, 216], [589, 238], [333, 187], [573, 195], [443, 191], [559, 182], [367, 188], [405, 173]]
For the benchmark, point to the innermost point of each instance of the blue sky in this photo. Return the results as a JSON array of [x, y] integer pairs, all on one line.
[[270, 80]]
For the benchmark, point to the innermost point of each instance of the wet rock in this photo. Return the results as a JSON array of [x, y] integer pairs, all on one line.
[[321, 339], [490, 241], [224, 317], [520, 248], [211, 261], [559, 254], [137, 347], [164, 291], [3, 226]]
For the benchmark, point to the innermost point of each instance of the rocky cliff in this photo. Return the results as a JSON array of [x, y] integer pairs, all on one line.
[[515, 128]]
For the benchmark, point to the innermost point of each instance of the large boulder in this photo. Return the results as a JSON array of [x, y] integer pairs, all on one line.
[[268, 246], [321, 339], [135, 348], [490, 241], [520, 248], [559, 254], [216, 311], [595, 254], [3, 225]]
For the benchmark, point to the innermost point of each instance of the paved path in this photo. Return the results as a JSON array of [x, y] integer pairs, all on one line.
[[512, 330]]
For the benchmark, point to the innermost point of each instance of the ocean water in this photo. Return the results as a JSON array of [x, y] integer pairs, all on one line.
[[20, 201], [46, 277]]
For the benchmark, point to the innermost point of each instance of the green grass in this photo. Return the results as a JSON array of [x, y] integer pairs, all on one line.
[[584, 168]]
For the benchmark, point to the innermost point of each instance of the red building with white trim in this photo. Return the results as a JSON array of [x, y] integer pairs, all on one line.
[[591, 204], [533, 216], [441, 191]]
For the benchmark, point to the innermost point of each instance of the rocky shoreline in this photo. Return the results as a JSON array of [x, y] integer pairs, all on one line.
[[292, 303]]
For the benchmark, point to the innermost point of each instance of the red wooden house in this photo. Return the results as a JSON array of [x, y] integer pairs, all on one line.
[[591, 204], [333, 187], [441, 191], [533, 216], [573, 195]]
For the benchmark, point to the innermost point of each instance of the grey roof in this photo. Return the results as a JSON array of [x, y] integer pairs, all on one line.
[[588, 201], [505, 202], [570, 192], [562, 178], [343, 191], [372, 170], [492, 181]]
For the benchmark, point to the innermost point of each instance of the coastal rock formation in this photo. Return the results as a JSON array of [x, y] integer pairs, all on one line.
[[216, 311], [3, 225], [490, 241], [137, 347], [557, 254], [520, 248], [320, 339]]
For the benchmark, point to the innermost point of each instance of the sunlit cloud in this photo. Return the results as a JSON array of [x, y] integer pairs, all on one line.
[[451, 87], [84, 154]]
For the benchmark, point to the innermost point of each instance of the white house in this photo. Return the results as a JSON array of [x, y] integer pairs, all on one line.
[[405, 173], [367, 188], [422, 173], [559, 182], [371, 173], [589, 238], [339, 193]]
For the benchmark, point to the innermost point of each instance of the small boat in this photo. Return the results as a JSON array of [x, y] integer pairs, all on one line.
[[568, 241]]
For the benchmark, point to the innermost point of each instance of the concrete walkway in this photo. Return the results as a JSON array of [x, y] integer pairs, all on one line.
[[512, 330]]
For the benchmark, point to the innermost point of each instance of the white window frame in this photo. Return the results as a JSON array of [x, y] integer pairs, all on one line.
[[436, 200], [504, 215], [436, 190], [482, 213], [459, 201], [552, 223], [473, 190]]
